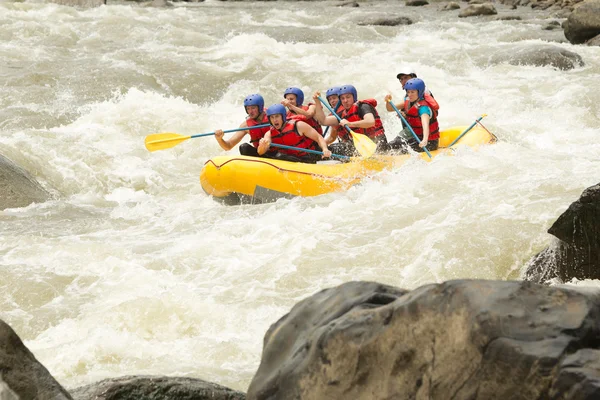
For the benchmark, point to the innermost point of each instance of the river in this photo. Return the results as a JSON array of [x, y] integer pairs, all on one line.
[[133, 269]]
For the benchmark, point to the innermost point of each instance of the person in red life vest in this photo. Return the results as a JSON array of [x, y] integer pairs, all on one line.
[[293, 133], [358, 115], [333, 98], [254, 105], [403, 78], [293, 98], [421, 116]]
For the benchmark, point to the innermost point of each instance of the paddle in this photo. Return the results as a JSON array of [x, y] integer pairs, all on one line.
[[283, 146], [467, 130], [327, 129], [409, 127], [365, 146], [161, 141]]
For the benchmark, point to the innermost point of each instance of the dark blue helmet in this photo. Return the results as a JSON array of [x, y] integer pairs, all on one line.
[[276, 109], [255, 100], [348, 89], [299, 95], [333, 91], [416, 84]]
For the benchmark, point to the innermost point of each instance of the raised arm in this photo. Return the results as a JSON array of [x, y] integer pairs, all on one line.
[[228, 144], [330, 120], [389, 107]]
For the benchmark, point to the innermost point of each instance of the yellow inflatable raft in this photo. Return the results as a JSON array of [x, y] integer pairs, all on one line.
[[241, 179]]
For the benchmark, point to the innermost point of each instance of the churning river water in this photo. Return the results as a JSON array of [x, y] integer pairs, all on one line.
[[133, 269]]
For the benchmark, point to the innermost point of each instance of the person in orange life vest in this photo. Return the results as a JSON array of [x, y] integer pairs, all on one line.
[[422, 118], [254, 105], [360, 116], [293, 133], [293, 98]]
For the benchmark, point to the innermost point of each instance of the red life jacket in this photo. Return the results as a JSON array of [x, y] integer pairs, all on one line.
[[289, 136], [310, 121], [414, 120], [339, 108], [352, 115], [432, 101], [258, 133]]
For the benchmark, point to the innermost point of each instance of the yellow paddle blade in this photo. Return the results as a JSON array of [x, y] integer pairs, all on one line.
[[364, 145], [161, 141]]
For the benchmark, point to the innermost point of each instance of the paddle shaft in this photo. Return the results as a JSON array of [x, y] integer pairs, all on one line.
[[409, 127], [467, 130], [283, 146], [327, 129], [334, 113], [231, 130]]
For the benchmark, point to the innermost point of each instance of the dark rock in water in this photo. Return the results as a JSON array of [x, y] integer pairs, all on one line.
[[19, 189], [349, 4], [155, 388], [551, 26], [79, 3], [478, 9], [21, 374], [385, 21], [544, 5], [539, 56], [594, 42], [509, 18], [576, 252], [450, 6], [458, 340], [584, 22], [416, 3]]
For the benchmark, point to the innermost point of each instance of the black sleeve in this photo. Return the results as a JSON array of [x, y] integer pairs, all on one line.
[[365, 108]]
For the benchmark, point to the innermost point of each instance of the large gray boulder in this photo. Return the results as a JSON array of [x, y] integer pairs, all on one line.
[[584, 22], [538, 55], [575, 253], [474, 10], [457, 340], [19, 189], [155, 388], [21, 374]]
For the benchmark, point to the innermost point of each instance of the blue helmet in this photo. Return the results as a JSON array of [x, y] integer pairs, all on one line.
[[335, 90], [348, 89], [276, 109], [255, 100], [299, 95], [416, 84]]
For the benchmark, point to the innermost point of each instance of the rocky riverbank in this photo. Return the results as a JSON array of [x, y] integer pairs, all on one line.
[[466, 339]]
